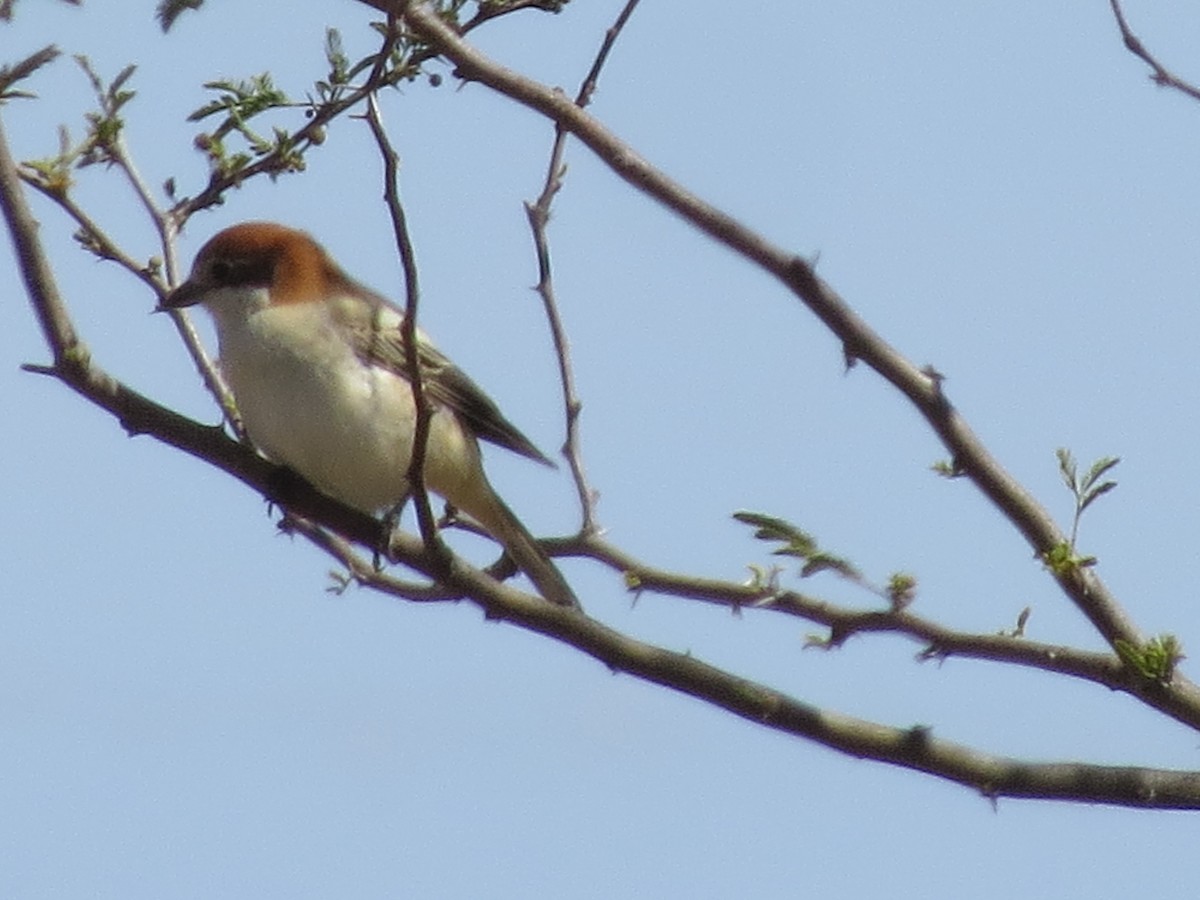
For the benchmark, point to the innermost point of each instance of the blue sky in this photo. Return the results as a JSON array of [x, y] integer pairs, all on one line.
[[186, 711]]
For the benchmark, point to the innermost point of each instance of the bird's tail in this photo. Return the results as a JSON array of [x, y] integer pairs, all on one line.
[[503, 524]]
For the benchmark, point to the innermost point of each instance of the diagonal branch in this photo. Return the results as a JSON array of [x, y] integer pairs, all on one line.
[[913, 748], [922, 387], [1160, 75], [939, 641]]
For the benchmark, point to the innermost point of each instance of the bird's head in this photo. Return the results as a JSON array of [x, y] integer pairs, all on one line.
[[254, 265]]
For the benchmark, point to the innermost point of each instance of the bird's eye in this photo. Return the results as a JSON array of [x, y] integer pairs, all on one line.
[[222, 271]]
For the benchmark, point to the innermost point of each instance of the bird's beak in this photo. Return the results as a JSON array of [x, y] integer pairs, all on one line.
[[187, 294]]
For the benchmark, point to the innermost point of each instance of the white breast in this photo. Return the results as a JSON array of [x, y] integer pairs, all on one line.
[[309, 402]]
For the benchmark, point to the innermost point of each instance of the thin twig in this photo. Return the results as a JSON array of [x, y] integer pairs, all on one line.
[[363, 571], [90, 230], [408, 261], [486, 11], [538, 214], [98, 240], [588, 87], [408, 329], [1160, 75], [308, 135], [168, 229], [304, 138]]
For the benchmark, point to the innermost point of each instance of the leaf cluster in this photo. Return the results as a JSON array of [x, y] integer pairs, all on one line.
[[170, 10], [241, 101], [1088, 488], [797, 543], [7, 8], [100, 144], [793, 541], [18, 71], [106, 124], [1154, 660]]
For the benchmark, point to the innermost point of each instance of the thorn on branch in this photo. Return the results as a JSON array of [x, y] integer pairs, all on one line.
[[934, 652], [935, 379], [37, 369], [849, 357], [918, 737], [948, 468]]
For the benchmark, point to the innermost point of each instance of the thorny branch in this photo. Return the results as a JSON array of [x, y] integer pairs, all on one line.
[[108, 144], [334, 527], [168, 226], [971, 457]]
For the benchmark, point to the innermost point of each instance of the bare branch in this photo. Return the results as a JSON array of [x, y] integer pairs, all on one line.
[[1160, 75], [168, 230], [491, 9], [860, 341], [334, 528], [913, 748], [938, 641], [95, 237], [361, 571], [106, 141], [538, 214], [57, 328], [408, 260]]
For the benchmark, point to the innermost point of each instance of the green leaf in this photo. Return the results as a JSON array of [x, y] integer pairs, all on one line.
[[242, 99], [769, 528], [1096, 493], [1087, 490], [1066, 467], [947, 469], [820, 561], [1099, 467], [901, 590], [54, 172], [339, 63], [169, 10], [797, 543], [18, 71], [118, 97], [1061, 559], [1154, 660]]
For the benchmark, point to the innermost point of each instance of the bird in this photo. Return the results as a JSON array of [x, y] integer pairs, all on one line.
[[320, 375]]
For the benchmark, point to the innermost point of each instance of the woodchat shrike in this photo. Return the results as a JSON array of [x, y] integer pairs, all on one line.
[[319, 370]]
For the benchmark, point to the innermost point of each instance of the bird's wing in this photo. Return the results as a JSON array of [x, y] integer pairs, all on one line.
[[379, 341]]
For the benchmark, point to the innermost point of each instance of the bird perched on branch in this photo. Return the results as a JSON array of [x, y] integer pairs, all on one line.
[[318, 367]]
